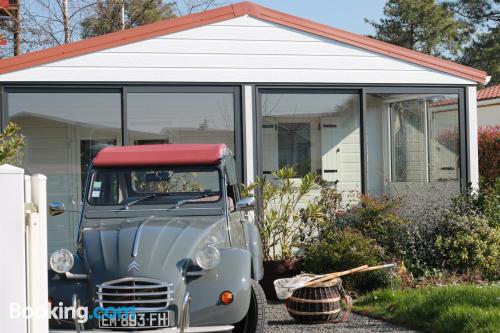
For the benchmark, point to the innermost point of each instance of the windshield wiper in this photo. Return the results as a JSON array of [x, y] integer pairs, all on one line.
[[185, 201], [153, 195]]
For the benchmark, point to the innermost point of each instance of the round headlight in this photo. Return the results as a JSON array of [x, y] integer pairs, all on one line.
[[208, 257], [61, 261]]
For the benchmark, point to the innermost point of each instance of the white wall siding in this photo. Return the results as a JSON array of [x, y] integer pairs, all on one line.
[[488, 112], [243, 49]]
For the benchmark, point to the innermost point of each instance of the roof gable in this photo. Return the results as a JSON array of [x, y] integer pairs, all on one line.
[[228, 12]]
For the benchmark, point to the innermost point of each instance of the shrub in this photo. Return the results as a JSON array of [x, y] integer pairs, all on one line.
[[420, 238], [484, 202], [339, 250], [377, 219], [278, 213], [467, 244], [11, 145], [489, 146], [321, 214], [459, 237]]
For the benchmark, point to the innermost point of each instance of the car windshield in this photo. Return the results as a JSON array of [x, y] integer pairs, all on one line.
[[153, 186]]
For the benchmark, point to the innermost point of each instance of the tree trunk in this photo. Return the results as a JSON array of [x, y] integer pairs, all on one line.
[[67, 34], [122, 15], [17, 31]]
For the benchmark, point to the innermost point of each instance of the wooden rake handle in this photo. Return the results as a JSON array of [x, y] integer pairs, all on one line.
[[372, 268], [331, 276]]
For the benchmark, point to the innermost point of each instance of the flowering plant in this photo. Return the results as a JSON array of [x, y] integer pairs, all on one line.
[[489, 152]]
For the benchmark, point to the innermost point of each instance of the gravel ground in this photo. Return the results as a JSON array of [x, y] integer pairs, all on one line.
[[280, 321]]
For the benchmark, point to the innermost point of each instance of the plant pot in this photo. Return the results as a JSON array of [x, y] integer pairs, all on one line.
[[277, 270]]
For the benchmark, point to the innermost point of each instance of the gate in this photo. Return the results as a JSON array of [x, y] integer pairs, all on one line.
[[23, 241]]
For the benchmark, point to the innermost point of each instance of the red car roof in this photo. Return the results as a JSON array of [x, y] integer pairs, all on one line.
[[165, 154]]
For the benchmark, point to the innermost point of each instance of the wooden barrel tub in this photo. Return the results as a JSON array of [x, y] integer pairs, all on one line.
[[317, 304]]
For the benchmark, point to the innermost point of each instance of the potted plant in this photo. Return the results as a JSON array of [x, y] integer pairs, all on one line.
[[278, 220]]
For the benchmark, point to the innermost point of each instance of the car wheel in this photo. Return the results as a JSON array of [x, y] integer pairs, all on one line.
[[255, 320]]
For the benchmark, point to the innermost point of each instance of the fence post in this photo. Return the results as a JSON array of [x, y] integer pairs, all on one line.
[[36, 239], [12, 244]]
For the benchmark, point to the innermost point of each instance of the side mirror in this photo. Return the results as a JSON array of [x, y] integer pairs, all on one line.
[[55, 208], [246, 204]]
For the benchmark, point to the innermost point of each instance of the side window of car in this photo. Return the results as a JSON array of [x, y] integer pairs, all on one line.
[[105, 190]]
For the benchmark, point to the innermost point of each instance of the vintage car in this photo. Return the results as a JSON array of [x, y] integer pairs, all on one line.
[[164, 233]]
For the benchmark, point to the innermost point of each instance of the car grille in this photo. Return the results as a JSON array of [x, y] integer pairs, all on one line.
[[142, 293]]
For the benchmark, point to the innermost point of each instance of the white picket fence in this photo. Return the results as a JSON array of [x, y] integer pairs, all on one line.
[[23, 256]]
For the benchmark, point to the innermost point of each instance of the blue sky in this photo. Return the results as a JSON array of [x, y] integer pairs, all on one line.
[[344, 14]]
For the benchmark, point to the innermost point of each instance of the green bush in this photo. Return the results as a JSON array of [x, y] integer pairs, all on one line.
[[377, 219], [459, 238], [468, 244], [489, 158], [484, 202], [339, 250], [11, 145]]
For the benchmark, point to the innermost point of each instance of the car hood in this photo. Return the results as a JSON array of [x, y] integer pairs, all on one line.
[[152, 247]]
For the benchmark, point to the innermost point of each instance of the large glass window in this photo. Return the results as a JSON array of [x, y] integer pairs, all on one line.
[[412, 140], [63, 133], [65, 130], [315, 130], [173, 117]]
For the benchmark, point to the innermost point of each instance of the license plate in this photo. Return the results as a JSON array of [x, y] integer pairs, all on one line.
[[136, 320]]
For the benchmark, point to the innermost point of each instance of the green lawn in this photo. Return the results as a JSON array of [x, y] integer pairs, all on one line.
[[465, 308]]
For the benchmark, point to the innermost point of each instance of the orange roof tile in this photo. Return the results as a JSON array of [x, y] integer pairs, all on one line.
[[489, 93], [227, 12]]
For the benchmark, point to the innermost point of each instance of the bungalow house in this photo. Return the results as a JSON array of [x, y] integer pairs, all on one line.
[[278, 89], [488, 106]]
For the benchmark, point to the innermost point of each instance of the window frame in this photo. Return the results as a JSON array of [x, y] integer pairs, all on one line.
[[462, 123]]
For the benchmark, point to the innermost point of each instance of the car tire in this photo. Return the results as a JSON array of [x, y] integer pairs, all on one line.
[[255, 319]]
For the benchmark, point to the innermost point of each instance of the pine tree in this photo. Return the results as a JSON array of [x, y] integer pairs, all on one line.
[[107, 15], [484, 54], [484, 51], [423, 25]]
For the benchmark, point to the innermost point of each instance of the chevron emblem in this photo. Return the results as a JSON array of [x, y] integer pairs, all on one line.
[[134, 267]]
